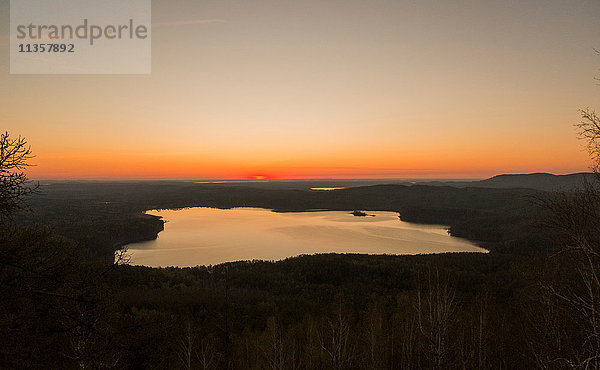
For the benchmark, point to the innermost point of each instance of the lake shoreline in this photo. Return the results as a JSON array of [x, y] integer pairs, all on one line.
[[390, 220]]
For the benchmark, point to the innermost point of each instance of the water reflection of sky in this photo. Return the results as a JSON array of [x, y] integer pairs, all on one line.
[[203, 236]]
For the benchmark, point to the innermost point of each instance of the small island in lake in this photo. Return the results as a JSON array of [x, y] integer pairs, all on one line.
[[360, 214]]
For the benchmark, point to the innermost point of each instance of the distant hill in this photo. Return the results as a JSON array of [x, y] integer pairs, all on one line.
[[539, 181]]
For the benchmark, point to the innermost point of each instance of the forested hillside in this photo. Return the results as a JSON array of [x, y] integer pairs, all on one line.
[[70, 300]]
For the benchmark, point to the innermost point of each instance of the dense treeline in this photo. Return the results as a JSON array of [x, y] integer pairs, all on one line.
[[109, 215], [325, 311], [69, 299], [331, 311], [315, 312]]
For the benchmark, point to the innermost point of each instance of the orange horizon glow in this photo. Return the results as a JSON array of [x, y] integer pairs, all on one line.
[[105, 166]]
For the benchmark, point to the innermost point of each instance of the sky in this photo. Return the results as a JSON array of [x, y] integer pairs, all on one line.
[[323, 89]]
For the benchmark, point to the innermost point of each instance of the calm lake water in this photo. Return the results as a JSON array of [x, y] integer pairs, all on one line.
[[203, 236]]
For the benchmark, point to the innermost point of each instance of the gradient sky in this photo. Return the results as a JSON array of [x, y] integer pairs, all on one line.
[[313, 88]]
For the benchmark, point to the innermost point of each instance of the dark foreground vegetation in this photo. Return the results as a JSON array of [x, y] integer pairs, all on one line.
[[315, 312], [67, 302]]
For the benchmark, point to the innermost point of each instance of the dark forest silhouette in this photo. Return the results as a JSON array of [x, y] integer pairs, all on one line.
[[66, 301]]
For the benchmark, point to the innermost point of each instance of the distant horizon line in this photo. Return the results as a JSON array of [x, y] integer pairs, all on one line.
[[213, 180]]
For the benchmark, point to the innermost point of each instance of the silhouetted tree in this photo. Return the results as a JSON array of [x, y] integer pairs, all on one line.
[[436, 306], [54, 304], [208, 355], [589, 130], [15, 154], [186, 350], [336, 341], [568, 326]]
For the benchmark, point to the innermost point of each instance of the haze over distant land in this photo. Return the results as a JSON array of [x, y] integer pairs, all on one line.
[[538, 181], [313, 89]]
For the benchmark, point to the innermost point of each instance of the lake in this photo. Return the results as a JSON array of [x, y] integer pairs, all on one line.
[[203, 236]]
